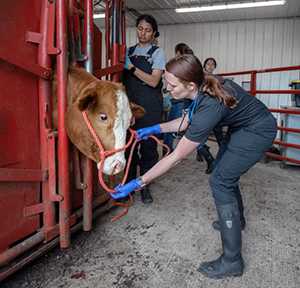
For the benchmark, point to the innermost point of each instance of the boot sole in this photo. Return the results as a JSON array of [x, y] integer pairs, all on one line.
[[232, 274], [147, 201]]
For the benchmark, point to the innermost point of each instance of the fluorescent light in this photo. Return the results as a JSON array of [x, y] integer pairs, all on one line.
[[230, 6], [99, 16]]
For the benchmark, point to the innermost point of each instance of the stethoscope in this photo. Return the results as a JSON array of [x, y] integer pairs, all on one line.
[[190, 110]]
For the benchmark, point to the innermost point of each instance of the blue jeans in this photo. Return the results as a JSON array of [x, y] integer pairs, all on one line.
[[174, 113]]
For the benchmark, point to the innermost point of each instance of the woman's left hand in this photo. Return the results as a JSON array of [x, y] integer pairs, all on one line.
[[125, 190], [148, 131]]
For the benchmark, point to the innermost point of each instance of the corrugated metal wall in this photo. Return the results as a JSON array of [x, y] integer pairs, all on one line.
[[240, 46]]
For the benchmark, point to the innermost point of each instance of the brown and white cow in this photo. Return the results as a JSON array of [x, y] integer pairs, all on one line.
[[109, 112]]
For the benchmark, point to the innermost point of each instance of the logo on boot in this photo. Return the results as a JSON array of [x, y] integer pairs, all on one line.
[[229, 224]]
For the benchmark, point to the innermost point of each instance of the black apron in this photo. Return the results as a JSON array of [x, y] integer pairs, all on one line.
[[149, 98]]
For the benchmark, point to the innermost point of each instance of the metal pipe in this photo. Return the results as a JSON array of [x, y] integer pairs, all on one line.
[[45, 115], [287, 144], [88, 171], [288, 129], [283, 158], [277, 91], [114, 23], [22, 247], [285, 111], [261, 71], [63, 142]]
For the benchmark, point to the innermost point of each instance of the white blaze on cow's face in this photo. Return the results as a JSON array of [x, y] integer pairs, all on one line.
[[116, 163]]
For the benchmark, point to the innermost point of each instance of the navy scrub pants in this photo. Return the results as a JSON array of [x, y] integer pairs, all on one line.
[[239, 151]]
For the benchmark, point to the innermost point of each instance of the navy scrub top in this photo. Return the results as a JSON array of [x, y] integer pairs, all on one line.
[[209, 113]]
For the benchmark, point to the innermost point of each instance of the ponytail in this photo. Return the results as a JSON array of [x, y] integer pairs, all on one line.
[[215, 88]]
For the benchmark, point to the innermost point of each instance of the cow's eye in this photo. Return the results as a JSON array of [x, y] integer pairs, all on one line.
[[103, 117]]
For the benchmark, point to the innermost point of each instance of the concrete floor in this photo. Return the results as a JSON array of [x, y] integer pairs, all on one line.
[[162, 244]]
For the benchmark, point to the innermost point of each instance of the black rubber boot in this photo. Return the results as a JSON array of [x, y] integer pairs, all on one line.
[[199, 157], [146, 196], [216, 224], [237, 193], [230, 262], [145, 193], [204, 152]]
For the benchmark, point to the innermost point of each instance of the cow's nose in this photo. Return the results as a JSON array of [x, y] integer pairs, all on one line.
[[118, 168]]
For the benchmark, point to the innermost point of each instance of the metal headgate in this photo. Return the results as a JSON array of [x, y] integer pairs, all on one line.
[[47, 188]]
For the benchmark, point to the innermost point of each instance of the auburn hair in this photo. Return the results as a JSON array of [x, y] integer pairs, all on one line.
[[188, 68], [183, 48]]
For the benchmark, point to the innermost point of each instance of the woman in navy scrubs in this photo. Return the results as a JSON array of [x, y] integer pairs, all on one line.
[[251, 131], [145, 64]]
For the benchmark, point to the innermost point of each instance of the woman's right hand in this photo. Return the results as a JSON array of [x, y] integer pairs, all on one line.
[[127, 61], [148, 131], [125, 190]]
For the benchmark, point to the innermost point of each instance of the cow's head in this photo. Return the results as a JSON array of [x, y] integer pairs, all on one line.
[[109, 112]]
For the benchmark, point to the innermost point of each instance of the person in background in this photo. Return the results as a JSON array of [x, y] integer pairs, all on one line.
[[203, 150], [176, 105], [251, 131], [142, 78]]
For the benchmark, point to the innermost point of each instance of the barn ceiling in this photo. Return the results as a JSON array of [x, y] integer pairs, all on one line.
[[164, 11]]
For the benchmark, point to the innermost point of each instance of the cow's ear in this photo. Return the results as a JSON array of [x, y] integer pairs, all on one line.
[[137, 110], [88, 98]]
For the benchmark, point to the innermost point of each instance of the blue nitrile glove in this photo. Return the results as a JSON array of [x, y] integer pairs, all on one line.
[[148, 131], [127, 61], [125, 190]]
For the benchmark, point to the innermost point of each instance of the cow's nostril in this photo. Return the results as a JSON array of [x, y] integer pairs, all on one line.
[[118, 168]]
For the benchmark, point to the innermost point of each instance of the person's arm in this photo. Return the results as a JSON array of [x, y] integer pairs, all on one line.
[[183, 149], [167, 127], [173, 125], [150, 79]]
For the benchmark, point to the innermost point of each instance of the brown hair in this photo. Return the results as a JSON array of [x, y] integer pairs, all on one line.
[[188, 68], [183, 48]]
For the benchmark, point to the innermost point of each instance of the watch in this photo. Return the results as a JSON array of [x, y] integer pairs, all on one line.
[[141, 182], [132, 69]]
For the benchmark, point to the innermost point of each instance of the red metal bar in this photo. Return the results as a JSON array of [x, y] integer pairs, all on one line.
[[51, 50], [107, 34], [109, 70], [285, 111], [53, 196], [76, 160], [287, 144], [277, 91], [63, 144], [123, 23], [261, 71], [88, 171], [45, 115], [253, 83], [21, 248], [283, 158], [288, 129]]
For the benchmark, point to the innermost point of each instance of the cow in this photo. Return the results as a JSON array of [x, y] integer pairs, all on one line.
[[108, 110]]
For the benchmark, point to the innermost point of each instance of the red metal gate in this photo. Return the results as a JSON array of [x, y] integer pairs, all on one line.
[[36, 209], [253, 91]]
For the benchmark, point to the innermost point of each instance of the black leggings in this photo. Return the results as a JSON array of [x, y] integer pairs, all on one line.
[[239, 151]]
